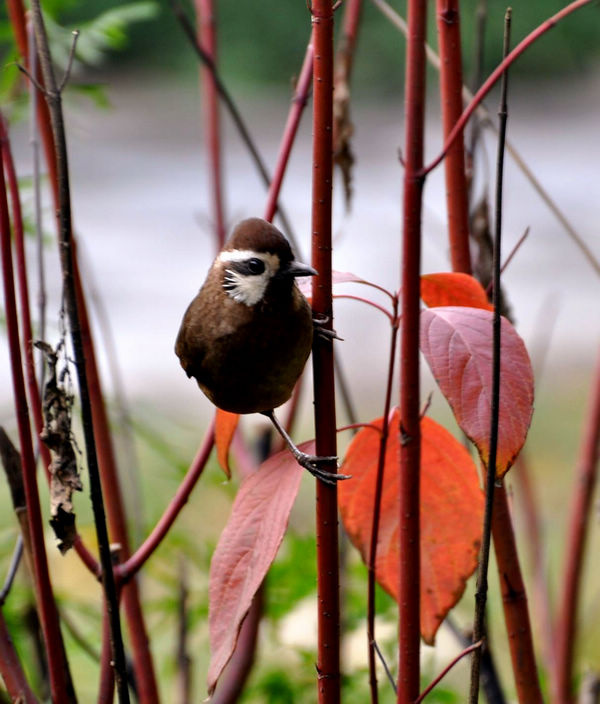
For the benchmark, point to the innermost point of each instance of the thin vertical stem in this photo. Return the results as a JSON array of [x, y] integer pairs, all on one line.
[[514, 602], [581, 505], [205, 13], [328, 658], [371, 565], [410, 434], [142, 658], [59, 675], [53, 99], [291, 128], [482, 585], [452, 104], [11, 669]]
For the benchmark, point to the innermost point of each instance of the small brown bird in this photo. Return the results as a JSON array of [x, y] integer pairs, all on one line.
[[247, 334]]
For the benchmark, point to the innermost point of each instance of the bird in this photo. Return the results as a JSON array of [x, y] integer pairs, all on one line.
[[246, 336]]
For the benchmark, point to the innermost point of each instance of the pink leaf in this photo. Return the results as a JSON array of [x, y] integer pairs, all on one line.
[[246, 549], [457, 343]]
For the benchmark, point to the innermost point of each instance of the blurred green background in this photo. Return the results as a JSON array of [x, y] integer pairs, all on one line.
[[260, 42]]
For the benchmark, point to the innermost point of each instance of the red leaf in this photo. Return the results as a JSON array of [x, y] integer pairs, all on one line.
[[453, 289], [451, 514], [225, 427], [457, 343], [246, 549]]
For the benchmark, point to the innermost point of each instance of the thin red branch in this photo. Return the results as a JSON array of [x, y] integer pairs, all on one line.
[[106, 688], [130, 567], [115, 507], [451, 83], [11, 669], [27, 335], [410, 435], [205, 14], [514, 602], [299, 101], [142, 659], [446, 670], [488, 84], [538, 556], [43, 589], [372, 557], [381, 309], [581, 505], [328, 657]]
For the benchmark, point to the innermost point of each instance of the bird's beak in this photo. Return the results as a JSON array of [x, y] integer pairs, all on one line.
[[299, 269]]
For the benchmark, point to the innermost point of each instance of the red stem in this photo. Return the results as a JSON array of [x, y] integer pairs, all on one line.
[[130, 567], [27, 336], [410, 436], [372, 561], [446, 670], [205, 13], [43, 589], [328, 658], [106, 689], [299, 101], [115, 510], [452, 104], [581, 504], [21, 270], [10, 668], [143, 666], [538, 557], [514, 602], [498, 71]]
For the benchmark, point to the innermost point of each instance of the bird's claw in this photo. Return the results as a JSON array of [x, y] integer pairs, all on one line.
[[319, 323], [312, 462]]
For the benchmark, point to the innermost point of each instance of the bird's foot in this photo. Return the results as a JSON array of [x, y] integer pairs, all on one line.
[[312, 462], [319, 322]]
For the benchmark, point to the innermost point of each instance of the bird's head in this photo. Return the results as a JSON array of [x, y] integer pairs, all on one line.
[[257, 256]]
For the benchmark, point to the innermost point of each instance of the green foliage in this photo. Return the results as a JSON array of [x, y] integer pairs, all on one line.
[[105, 32], [292, 576]]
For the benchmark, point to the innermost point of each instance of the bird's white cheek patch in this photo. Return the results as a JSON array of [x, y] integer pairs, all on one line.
[[245, 289]]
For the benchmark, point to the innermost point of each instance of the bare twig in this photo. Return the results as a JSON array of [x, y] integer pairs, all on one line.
[[12, 569], [233, 112], [67, 73], [447, 669], [508, 260], [481, 593], [486, 118], [372, 557], [581, 503], [53, 99], [183, 660], [385, 666]]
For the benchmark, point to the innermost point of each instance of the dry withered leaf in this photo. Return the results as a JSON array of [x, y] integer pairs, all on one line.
[[343, 129], [58, 438]]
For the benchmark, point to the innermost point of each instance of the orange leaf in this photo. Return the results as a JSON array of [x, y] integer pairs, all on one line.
[[246, 549], [457, 343], [453, 289], [451, 514], [225, 427]]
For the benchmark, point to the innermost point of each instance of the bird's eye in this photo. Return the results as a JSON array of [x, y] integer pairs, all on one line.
[[255, 265]]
